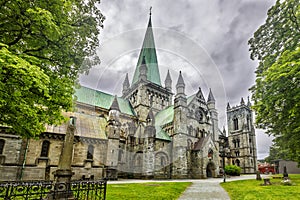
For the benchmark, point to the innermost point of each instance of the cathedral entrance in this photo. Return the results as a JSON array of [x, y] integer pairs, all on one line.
[[210, 170]]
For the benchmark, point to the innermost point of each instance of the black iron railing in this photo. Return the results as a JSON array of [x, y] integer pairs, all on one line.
[[91, 190]]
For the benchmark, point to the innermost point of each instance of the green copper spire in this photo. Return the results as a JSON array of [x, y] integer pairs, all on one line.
[[148, 52]]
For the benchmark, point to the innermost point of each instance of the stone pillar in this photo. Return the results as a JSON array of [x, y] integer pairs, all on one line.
[[64, 173]]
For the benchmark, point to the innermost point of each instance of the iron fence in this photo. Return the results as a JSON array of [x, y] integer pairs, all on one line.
[[34, 190]]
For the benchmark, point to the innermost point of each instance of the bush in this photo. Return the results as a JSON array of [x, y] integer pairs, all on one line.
[[232, 170]]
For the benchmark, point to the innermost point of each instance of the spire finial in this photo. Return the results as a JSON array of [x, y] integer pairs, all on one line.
[[150, 10]]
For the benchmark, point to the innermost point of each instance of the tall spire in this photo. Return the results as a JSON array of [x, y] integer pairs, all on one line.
[[149, 52]]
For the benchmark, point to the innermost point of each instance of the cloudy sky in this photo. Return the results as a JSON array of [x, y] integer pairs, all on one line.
[[206, 40]]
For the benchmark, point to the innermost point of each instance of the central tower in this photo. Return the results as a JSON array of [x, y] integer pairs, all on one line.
[[146, 91]]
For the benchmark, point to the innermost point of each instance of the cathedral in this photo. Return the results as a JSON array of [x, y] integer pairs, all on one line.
[[151, 131]]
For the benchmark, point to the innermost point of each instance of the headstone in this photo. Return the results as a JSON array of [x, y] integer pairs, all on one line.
[[285, 174]]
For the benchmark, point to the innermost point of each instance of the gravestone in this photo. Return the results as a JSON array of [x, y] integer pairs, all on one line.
[[285, 174]]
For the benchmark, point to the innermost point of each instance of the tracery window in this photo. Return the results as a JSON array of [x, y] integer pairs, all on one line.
[[90, 153], [235, 123], [45, 148], [2, 142]]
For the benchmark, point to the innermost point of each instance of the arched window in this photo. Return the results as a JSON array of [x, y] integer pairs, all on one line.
[[45, 148], [235, 123], [234, 143], [248, 122], [210, 153], [90, 153], [237, 162], [238, 142], [120, 155], [2, 142]]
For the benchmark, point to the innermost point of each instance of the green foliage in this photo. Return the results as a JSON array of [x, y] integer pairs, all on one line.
[[43, 45], [154, 190], [252, 189], [232, 170], [276, 92], [276, 153]]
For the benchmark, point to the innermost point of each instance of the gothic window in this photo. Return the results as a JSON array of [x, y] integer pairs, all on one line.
[[120, 155], [151, 100], [199, 115], [202, 133], [250, 150], [248, 122], [232, 162], [238, 162], [2, 142], [210, 153], [235, 123], [90, 153], [238, 142], [45, 148], [234, 143], [237, 153], [250, 140]]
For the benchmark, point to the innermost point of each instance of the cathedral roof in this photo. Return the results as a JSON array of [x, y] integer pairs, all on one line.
[[148, 52], [87, 126], [103, 100]]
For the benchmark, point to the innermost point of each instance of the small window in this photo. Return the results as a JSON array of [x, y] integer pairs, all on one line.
[[235, 123], [90, 153], [238, 162], [2, 142], [45, 148]]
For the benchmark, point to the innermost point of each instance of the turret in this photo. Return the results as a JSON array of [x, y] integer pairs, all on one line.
[[113, 134], [228, 106], [179, 156], [180, 86], [248, 103], [242, 101], [150, 127], [211, 100], [168, 82], [214, 114]]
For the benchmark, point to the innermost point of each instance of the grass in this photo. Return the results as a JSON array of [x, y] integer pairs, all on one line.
[[253, 189], [149, 191]]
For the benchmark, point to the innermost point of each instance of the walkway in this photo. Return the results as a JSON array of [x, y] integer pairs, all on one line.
[[200, 189]]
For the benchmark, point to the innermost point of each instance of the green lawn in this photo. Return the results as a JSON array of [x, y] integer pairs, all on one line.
[[149, 191], [253, 189]]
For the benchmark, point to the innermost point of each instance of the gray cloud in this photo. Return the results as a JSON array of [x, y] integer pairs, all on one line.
[[206, 40]]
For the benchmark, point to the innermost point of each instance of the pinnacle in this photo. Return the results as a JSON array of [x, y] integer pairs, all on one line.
[[114, 105], [210, 96]]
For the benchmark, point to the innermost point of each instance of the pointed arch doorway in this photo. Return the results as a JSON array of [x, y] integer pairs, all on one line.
[[210, 170]]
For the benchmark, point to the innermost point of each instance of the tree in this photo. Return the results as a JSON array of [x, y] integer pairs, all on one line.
[[44, 45], [276, 92], [276, 153]]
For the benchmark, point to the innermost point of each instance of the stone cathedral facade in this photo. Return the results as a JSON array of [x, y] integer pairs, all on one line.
[[151, 131]]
